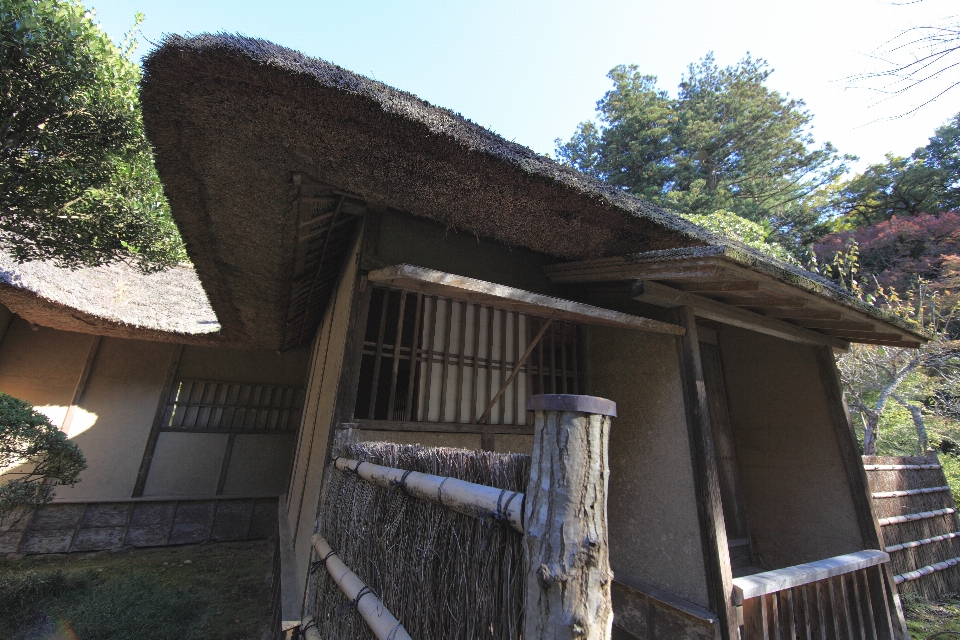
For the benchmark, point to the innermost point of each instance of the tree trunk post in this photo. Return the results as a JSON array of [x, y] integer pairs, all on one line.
[[568, 576]]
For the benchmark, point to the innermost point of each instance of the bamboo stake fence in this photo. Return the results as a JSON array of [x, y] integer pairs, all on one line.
[[918, 521], [456, 542]]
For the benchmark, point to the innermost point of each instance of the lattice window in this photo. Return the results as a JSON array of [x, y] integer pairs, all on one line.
[[231, 407], [454, 358]]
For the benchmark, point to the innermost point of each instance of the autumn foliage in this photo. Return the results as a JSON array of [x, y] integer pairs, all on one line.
[[898, 251]]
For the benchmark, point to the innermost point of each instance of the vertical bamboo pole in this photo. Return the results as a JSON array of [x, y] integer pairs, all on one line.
[[567, 585]]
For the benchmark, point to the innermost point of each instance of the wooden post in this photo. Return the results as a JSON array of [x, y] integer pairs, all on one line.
[[568, 576], [713, 534]]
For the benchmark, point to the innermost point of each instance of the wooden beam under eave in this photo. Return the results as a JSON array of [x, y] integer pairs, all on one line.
[[605, 271], [848, 334], [760, 302], [664, 296], [903, 344], [834, 324], [433, 282], [717, 287], [797, 314]]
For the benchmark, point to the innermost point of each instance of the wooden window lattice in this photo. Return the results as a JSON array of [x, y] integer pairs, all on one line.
[[232, 407], [453, 357]]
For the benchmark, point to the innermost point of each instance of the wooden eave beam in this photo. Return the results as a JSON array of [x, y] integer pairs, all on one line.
[[664, 296], [705, 274], [450, 285], [834, 324], [905, 344], [599, 271], [849, 334], [801, 314], [722, 286], [766, 302]]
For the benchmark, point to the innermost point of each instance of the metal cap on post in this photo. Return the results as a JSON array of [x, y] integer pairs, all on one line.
[[568, 576]]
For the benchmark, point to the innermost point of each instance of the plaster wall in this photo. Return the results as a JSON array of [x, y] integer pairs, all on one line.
[[113, 419], [241, 365], [42, 366], [506, 443], [653, 523], [326, 363], [186, 464], [259, 465], [797, 498]]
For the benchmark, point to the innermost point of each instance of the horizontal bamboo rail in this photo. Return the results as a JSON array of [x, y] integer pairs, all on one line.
[[909, 492], [899, 467], [925, 571], [382, 623], [471, 499], [920, 543], [309, 629], [912, 517]]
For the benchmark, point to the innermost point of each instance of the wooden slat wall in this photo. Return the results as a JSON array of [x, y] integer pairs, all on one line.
[[928, 525], [328, 220], [452, 357], [207, 406]]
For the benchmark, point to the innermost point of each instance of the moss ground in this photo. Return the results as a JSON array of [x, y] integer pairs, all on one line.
[[927, 619], [218, 591]]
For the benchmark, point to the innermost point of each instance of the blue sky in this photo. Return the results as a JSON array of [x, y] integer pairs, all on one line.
[[532, 70]]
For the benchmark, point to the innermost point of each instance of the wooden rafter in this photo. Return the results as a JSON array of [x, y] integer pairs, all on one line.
[[722, 284]]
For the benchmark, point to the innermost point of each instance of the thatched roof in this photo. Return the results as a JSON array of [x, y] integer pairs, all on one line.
[[232, 119], [242, 126], [115, 300]]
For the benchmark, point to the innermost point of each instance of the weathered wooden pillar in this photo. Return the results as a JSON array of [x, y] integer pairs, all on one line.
[[568, 576]]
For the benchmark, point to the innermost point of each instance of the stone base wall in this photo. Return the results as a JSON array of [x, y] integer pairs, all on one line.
[[62, 527]]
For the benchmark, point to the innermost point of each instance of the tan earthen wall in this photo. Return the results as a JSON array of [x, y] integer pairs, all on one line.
[[125, 381], [796, 493], [654, 531], [113, 419]]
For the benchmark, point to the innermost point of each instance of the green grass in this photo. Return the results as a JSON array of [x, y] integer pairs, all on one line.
[[218, 591], [924, 619]]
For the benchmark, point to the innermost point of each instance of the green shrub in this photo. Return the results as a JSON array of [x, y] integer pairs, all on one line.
[[34, 453]]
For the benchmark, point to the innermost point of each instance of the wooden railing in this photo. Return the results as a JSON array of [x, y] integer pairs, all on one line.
[[842, 597]]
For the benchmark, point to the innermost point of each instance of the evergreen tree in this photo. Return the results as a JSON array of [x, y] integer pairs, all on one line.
[[726, 142], [926, 182], [77, 181]]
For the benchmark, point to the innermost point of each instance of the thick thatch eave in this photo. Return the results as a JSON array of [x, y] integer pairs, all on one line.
[[115, 300], [232, 119]]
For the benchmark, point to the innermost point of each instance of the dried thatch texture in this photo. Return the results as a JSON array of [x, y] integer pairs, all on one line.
[[444, 575], [233, 119], [111, 300]]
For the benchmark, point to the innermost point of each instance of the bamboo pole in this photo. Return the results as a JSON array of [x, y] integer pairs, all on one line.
[[382, 623], [472, 499], [567, 591], [309, 629]]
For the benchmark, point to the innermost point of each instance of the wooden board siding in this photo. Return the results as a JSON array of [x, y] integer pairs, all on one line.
[[145, 522], [647, 613]]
